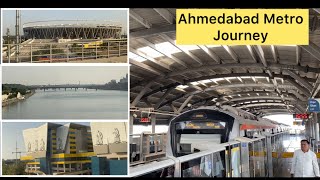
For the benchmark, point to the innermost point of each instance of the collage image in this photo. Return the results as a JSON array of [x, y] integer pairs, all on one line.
[[113, 93], [65, 91]]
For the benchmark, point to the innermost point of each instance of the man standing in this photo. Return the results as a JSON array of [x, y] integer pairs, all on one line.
[[304, 162]]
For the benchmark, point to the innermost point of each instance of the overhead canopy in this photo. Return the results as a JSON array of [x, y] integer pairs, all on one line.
[[260, 79]]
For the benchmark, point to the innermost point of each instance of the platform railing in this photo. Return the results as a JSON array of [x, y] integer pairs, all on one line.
[[50, 52]]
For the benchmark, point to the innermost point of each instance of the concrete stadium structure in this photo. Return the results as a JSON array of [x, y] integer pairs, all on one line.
[[82, 30], [69, 149]]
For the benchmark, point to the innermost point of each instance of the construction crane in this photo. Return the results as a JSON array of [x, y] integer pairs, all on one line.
[[18, 21]]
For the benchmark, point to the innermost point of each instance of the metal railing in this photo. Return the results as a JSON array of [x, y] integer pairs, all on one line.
[[50, 52]]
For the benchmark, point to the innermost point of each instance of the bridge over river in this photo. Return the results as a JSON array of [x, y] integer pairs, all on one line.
[[69, 86]]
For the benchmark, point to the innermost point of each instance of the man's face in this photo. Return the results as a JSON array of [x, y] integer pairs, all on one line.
[[304, 146]]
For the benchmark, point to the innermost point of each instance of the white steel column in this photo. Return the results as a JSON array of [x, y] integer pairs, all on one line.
[[316, 131], [131, 126], [153, 123]]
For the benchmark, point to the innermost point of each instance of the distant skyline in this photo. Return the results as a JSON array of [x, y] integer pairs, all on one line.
[[99, 16], [12, 132], [44, 75]]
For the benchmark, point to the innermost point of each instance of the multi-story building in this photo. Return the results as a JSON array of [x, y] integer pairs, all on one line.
[[57, 149], [68, 149]]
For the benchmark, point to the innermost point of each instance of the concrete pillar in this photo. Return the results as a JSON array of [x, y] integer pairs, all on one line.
[[308, 129], [316, 130], [153, 123]]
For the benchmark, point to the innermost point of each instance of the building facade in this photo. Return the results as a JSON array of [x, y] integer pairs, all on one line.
[[56, 149]]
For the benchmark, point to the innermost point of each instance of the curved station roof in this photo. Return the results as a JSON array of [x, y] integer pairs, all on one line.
[[260, 79]]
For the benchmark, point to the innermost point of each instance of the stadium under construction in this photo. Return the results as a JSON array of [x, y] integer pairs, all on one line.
[[66, 40], [79, 30]]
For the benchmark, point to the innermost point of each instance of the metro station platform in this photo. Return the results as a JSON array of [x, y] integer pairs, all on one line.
[[214, 100], [224, 162]]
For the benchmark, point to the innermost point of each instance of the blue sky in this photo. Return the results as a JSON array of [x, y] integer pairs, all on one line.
[[100, 16], [12, 132]]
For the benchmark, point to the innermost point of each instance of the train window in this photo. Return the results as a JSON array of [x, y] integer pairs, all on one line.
[[200, 125]]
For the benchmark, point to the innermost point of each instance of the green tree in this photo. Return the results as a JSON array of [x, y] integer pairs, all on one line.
[[14, 89], [13, 169]]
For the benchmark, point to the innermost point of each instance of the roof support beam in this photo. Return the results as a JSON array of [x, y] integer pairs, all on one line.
[[316, 87], [171, 100], [275, 53], [313, 49], [167, 38], [298, 55], [136, 76], [185, 103], [151, 45], [314, 25], [163, 97], [246, 65], [299, 87], [231, 53], [298, 95], [142, 92], [174, 108], [211, 54], [300, 108], [252, 54], [147, 102], [252, 98], [317, 10], [165, 14], [139, 19], [260, 53], [300, 79], [219, 76], [152, 31], [150, 59], [262, 104], [262, 58], [161, 89], [145, 67]]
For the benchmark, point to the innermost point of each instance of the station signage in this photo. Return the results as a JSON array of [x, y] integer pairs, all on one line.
[[300, 116], [144, 119], [314, 105]]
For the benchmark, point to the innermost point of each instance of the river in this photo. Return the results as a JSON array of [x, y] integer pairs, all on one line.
[[70, 104]]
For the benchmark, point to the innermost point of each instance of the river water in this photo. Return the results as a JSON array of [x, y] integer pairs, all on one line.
[[70, 104]]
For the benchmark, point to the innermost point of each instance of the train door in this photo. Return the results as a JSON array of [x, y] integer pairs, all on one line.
[[259, 158], [244, 156], [251, 159], [269, 167], [201, 165], [235, 160]]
